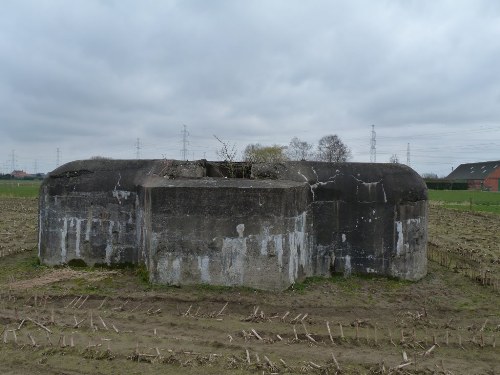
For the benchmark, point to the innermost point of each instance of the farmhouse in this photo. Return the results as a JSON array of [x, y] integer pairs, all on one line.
[[19, 174], [261, 225], [479, 176]]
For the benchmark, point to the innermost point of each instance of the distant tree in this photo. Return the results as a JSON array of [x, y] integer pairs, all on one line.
[[299, 150], [256, 153], [394, 159], [430, 176], [332, 149]]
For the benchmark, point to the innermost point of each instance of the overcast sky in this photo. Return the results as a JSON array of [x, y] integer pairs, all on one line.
[[91, 77]]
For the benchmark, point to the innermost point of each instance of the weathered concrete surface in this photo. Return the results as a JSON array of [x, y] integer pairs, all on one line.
[[371, 217], [189, 223]]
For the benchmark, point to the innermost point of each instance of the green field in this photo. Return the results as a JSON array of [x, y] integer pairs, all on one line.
[[19, 188], [467, 200]]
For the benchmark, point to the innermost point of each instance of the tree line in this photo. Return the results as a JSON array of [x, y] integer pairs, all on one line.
[[329, 148]]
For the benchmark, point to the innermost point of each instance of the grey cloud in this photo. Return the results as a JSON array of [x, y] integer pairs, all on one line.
[[259, 71]]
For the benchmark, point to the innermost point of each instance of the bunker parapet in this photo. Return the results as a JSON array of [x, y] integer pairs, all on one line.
[[260, 225]]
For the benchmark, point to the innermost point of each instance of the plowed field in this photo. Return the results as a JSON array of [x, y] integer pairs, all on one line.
[[99, 321]]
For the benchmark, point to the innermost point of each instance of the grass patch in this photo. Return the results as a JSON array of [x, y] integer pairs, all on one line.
[[22, 265], [219, 289], [19, 188], [142, 273], [474, 207], [352, 283], [467, 200], [465, 196]]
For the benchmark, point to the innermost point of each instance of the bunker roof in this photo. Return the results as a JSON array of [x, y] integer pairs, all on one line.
[[388, 182]]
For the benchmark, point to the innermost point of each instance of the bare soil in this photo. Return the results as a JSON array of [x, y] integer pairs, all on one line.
[[18, 224], [98, 321], [472, 235]]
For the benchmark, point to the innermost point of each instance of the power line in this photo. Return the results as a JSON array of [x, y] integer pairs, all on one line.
[[443, 133]]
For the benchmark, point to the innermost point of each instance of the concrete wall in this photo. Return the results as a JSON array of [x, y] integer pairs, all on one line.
[[226, 232], [288, 221], [368, 218]]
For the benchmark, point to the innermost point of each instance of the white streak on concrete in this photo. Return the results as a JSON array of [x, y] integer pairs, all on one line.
[[78, 235], [315, 173], [168, 270], [233, 259], [302, 175], [413, 221], [88, 228], [64, 233], [278, 245], [176, 270], [240, 228], [347, 266], [264, 241], [293, 261], [109, 252], [140, 225], [109, 246], [400, 243], [203, 266], [297, 246], [162, 270], [401, 246], [370, 186], [311, 187], [300, 225], [121, 195]]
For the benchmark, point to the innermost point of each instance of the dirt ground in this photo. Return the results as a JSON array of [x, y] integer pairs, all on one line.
[[98, 321], [472, 235], [18, 224]]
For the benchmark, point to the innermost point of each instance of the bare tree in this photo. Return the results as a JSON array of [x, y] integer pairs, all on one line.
[[299, 150], [332, 149], [394, 159], [226, 152], [256, 153]]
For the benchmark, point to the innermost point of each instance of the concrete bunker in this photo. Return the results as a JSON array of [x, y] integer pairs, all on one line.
[[259, 225]]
